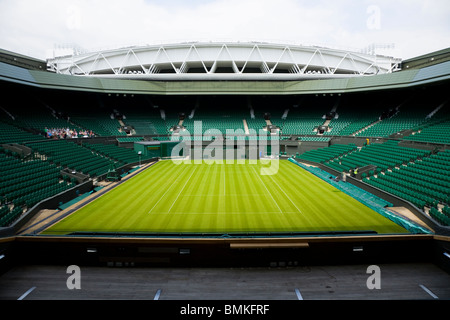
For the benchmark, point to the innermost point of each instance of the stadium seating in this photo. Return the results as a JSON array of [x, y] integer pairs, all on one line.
[[256, 123], [401, 120], [8, 216], [25, 182], [118, 154], [383, 155], [68, 154], [299, 120], [424, 182], [9, 133], [100, 125], [301, 126], [351, 122], [437, 132], [148, 122], [41, 121], [325, 154], [416, 175], [218, 119]]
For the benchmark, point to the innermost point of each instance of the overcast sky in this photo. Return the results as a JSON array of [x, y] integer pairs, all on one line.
[[36, 27]]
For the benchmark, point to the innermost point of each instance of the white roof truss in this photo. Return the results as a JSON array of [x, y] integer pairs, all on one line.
[[178, 59]]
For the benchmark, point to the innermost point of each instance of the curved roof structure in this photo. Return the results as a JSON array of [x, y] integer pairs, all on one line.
[[223, 61]]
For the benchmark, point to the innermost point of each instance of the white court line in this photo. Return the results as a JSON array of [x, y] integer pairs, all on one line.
[[267, 190], [157, 295], [240, 213], [286, 195], [428, 291], [299, 295], [224, 185], [181, 190], [229, 194], [166, 191], [26, 293]]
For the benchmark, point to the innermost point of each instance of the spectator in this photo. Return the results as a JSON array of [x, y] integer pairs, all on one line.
[[67, 133]]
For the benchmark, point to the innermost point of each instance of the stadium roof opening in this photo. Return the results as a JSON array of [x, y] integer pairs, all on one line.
[[224, 61]]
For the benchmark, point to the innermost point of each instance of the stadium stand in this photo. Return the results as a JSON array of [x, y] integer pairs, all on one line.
[[302, 123], [257, 123], [417, 123], [425, 183], [144, 124], [101, 125], [349, 120], [25, 182], [146, 119], [216, 120], [117, 154], [398, 122], [70, 155], [421, 177], [323, 155], [9, 133], [393, 127], [384, 156], [435, 129]]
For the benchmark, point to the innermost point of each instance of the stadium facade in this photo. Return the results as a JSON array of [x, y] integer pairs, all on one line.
[[329, 92]]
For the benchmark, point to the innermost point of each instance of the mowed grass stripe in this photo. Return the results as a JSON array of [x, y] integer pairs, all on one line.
[[142, 198], [224, 198], [305, 189], [268, 192], [333, 209], [181, 191]]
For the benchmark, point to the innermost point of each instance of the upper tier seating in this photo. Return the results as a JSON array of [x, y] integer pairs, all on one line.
[[384, 156]]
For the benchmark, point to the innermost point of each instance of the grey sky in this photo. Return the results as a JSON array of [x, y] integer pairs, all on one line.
[[35, 27]]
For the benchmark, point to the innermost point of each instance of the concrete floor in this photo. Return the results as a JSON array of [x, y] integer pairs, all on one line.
[[417, 281]]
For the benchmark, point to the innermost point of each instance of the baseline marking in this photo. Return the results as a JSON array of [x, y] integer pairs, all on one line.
[[267, 190], [26, 293]]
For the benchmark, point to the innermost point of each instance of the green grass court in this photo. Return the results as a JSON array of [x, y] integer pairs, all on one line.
[[224, 198]]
